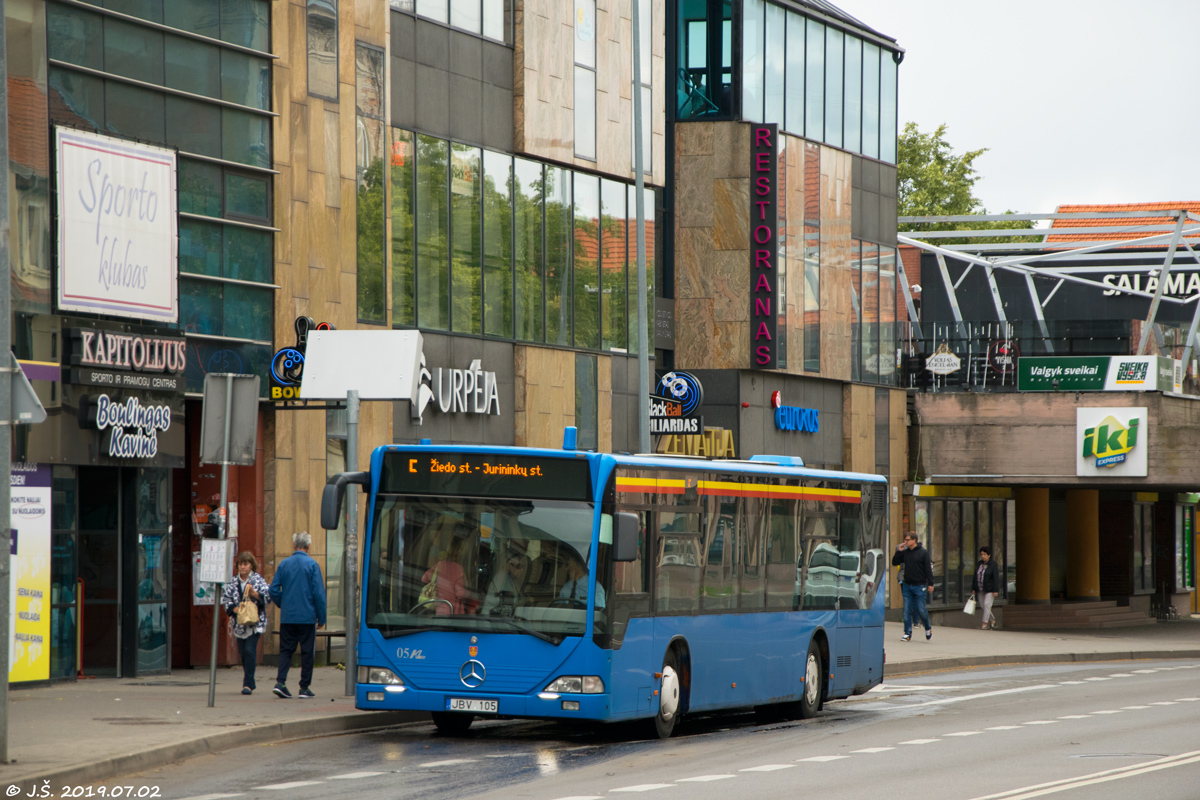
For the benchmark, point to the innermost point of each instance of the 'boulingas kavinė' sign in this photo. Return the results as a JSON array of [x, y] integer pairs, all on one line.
[[117, 237]]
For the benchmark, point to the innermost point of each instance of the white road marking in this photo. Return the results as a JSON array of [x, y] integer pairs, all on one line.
[[1144, 671], [873, 750], [1028, 792], [1109, 711], [1120, 675], [1070, 683], [289, 785], [211, 796], [350, 776], [583, 797], [448, 762], [1003, 727], [643, 787], [1041, 722], [822, 758], [705, 778], [1133, 708], [920, 741], [1076, 716], [1186, 699], [1165, 703], [767, 768], [1097, 679], [963, 733], [948, 700]]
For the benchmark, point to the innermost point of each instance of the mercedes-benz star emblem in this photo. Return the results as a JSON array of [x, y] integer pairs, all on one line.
[[472, 673]]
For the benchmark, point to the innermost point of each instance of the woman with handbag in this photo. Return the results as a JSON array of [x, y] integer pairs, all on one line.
[[245, 600], [986, 585]]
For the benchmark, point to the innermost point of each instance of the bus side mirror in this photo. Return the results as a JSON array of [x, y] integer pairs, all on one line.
[[331, 496], [625, 545]]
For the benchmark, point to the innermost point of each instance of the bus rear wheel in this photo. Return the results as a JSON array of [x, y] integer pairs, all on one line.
[[668, 697], [814, 681], [452, 724]]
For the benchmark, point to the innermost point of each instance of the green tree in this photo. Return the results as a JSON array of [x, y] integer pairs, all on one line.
[[933, 180]]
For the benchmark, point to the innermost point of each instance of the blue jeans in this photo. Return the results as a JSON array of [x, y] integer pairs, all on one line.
[[914, 605], [248, 650]]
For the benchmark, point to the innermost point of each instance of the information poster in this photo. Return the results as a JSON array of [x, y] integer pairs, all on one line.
[[29, 576]]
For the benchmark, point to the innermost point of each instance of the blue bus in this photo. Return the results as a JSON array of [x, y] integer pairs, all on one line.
[[569, 585]]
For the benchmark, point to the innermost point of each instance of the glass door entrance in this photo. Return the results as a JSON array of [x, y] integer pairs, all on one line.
[[124, 564]]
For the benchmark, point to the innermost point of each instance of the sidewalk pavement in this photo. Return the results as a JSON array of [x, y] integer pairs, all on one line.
[[92, 730]]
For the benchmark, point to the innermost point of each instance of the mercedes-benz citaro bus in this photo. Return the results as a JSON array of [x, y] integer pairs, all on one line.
[[571, 585]]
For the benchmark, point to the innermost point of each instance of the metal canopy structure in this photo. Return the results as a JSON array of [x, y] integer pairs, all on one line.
[[1065, 259]]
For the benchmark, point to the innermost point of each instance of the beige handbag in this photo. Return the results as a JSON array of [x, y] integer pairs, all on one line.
[[247, 612]]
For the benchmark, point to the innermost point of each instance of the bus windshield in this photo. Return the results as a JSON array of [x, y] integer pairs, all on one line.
[[481, 565]]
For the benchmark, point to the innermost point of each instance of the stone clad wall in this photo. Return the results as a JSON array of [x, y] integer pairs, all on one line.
[[315, 260]]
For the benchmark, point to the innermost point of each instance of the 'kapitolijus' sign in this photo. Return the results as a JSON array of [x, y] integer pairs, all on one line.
[[117, 240]]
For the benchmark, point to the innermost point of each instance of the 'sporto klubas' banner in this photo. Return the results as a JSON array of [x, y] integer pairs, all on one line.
[[117, 249]]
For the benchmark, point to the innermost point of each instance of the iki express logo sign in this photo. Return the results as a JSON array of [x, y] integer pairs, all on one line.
[[1110, 442]]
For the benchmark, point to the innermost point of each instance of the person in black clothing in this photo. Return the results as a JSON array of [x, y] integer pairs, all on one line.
[[986, 585], [917, 585]]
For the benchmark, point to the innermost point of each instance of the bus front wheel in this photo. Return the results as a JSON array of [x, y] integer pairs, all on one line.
[[668, 697], [452, 724], [810, 701]]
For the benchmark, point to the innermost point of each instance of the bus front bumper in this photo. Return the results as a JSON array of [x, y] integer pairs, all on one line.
[[373, 697]]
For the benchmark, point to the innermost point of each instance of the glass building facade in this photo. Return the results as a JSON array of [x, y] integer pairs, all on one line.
[[195, 76], [502, 246], [815, 79]]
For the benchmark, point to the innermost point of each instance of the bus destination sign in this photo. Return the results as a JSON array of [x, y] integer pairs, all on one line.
[[485, 475]]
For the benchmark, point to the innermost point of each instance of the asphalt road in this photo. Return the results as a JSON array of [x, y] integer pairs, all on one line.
[[1096, 731]]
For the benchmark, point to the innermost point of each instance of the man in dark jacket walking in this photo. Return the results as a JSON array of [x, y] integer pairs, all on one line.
[[299, 591], [917, 585]]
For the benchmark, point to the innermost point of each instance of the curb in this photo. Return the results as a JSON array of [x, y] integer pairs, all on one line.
[[107, 768], [967, 662]]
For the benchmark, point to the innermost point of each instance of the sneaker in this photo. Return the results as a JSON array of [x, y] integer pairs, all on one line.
[[247, 690], [305, 693], [906, 637], [928, 634], [281, 691]]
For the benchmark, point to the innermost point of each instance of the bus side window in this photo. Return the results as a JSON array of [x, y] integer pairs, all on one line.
[[631, 582]]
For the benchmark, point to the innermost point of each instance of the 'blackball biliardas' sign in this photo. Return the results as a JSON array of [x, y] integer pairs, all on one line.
[[117, 237]]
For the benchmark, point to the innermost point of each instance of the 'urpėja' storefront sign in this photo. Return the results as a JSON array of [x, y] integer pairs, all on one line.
[[117, 238], [764, 245]]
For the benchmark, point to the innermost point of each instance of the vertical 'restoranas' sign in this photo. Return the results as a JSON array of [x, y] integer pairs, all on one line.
[[764, 244]]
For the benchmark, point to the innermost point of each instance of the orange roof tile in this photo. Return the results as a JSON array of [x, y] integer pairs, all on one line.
[[1117, 236]]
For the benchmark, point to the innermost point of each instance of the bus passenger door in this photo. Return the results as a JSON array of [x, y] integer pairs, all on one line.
[[851, 614]]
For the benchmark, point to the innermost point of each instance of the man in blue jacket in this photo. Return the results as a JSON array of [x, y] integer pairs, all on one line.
[[299, 591]]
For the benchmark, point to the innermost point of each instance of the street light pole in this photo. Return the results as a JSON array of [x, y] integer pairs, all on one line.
[[643, 396], [6, 413]]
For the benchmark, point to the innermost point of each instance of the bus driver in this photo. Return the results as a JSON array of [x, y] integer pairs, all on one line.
[[576, 587]]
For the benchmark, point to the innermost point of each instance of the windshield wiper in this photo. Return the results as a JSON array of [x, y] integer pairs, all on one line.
[[409, 631], [545, 637]]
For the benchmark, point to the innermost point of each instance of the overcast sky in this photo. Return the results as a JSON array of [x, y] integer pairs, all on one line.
[[1077, 102]]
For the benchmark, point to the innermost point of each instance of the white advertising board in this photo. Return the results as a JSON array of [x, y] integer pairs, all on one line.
[[381, 365], [117, 237], [1111, 442]]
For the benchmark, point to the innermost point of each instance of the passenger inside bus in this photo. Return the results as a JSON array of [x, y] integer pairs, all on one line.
[[445, 585], [507, 589]]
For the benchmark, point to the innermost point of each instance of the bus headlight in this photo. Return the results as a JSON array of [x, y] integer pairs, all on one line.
[[577, 684], [379, 675]]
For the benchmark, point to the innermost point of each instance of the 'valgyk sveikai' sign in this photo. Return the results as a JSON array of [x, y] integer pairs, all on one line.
[[117, 237]]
